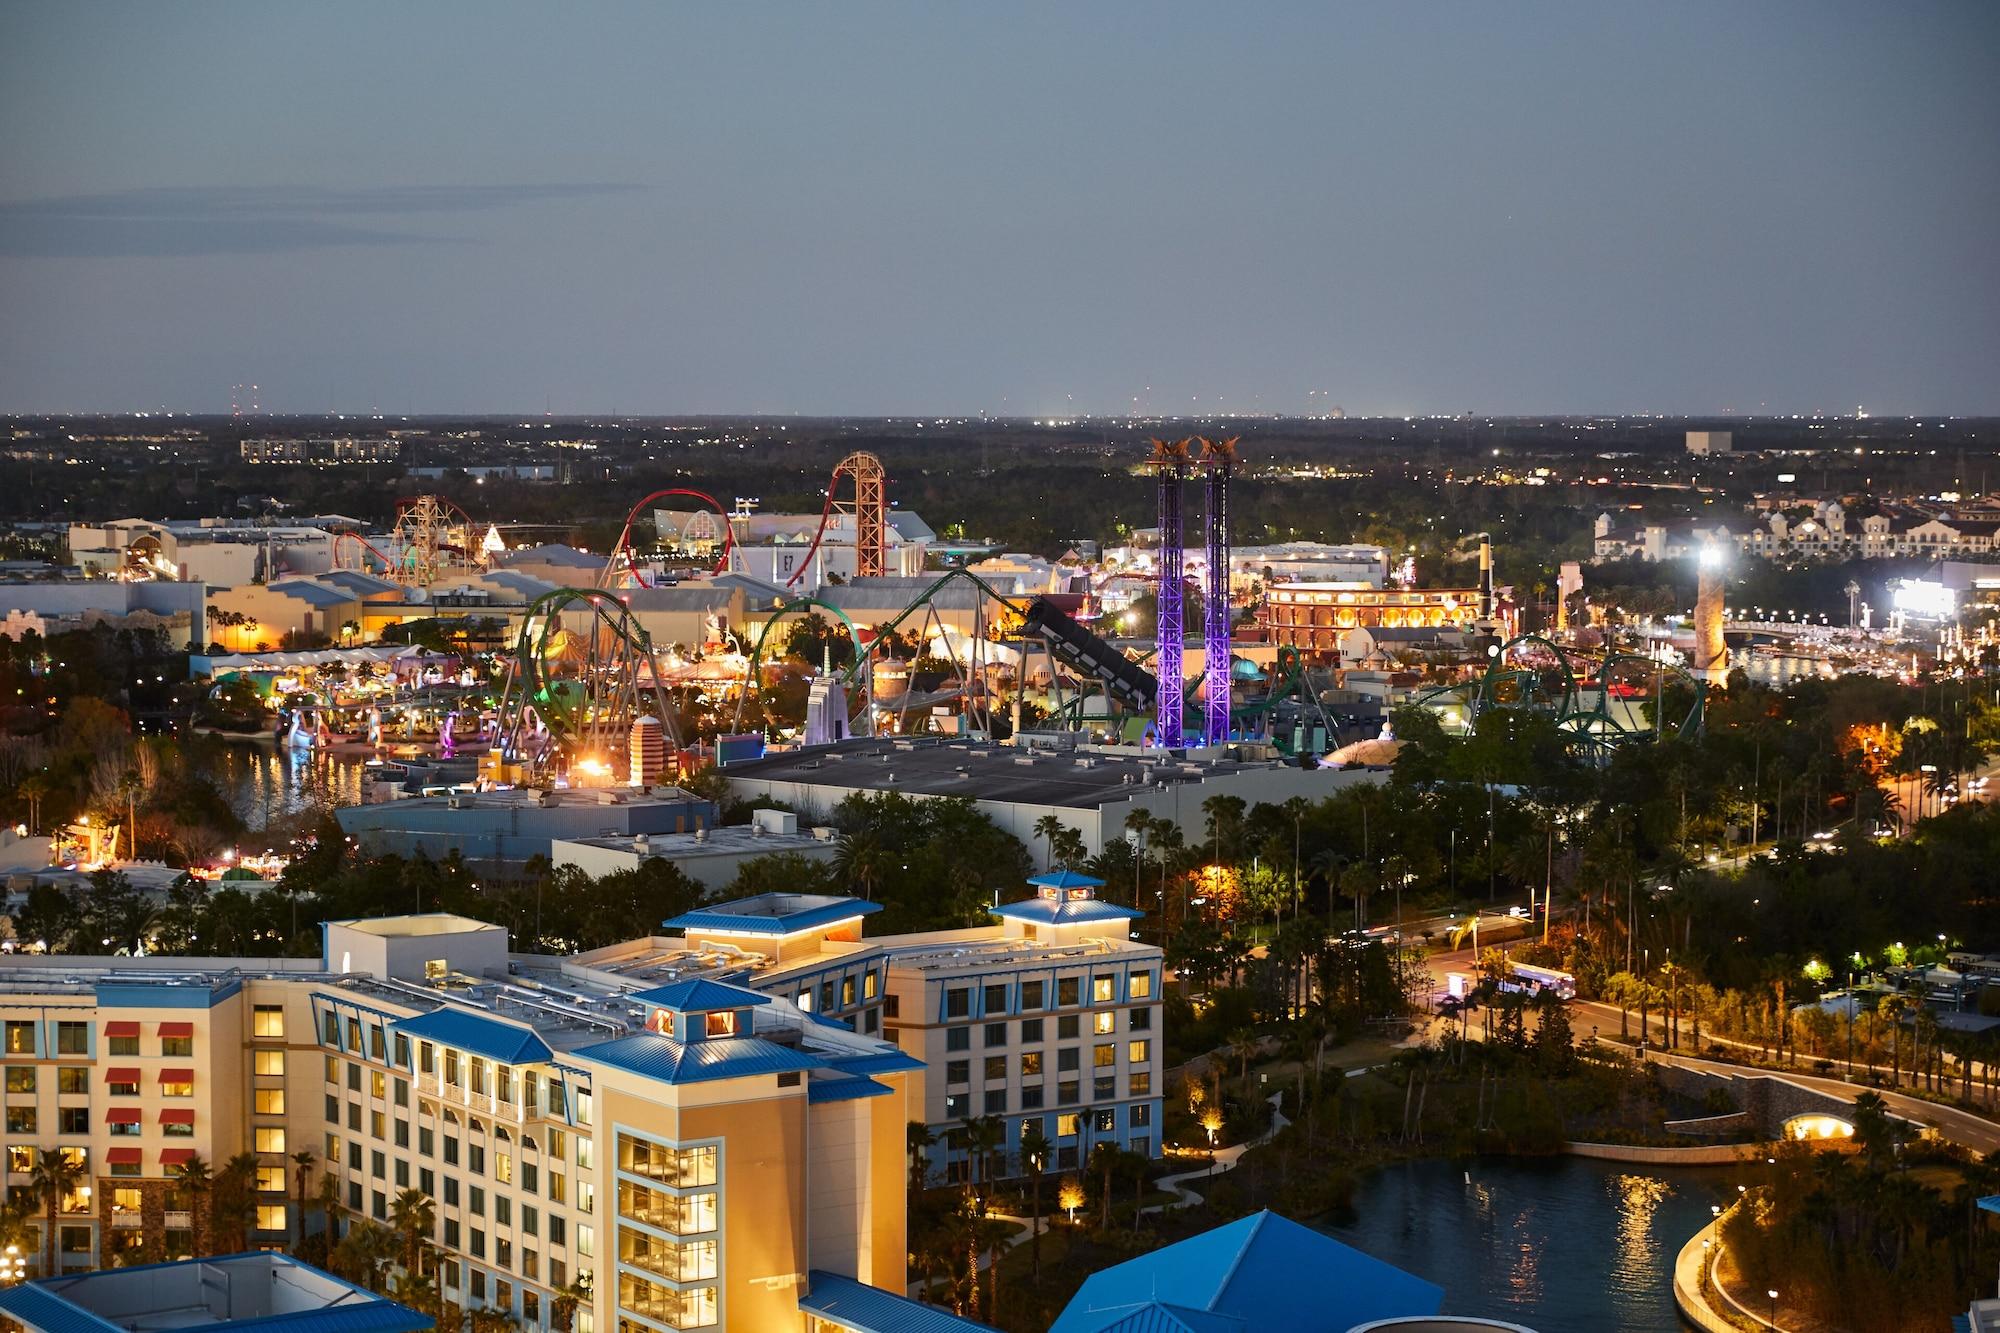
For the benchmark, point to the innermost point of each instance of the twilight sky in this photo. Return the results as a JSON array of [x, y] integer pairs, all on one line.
[[1791, 205]]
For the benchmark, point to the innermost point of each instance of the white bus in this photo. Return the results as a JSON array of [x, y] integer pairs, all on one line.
[[1534, 980]]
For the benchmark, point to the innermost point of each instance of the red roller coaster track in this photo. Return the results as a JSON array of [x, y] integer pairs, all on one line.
[[624, 543], [870, 516]]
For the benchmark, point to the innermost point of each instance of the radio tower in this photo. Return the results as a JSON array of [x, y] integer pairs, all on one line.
[[1218, 459], [1170, 459]]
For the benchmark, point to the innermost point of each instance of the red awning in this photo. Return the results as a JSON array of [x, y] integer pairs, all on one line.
[[121, 1029], [176, 1029], [124, 1156], [121, 1074], [176, 1076], [177, 1117], [175, 1156], [124, 1115]]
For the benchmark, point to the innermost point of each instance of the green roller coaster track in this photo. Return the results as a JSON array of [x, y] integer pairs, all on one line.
[[1584, 715], [579, 718]]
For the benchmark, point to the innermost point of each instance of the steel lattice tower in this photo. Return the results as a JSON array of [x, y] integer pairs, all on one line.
[[1170, 459], [1218, 458]]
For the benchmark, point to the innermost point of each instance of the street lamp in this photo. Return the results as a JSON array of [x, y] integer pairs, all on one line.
[[1773, 1294], [13, 1265]]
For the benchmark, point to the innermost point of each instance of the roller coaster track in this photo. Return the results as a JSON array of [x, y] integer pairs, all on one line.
[[623, 546], [870, 516]]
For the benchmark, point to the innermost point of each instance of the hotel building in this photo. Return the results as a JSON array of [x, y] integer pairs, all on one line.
[[700, 1149]]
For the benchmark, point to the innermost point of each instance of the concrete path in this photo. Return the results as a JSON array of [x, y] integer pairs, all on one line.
[[1225, 1160]]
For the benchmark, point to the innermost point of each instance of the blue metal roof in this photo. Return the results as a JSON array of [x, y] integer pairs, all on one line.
[[773, 913], [856, 1305], [844, 1089], [1055, 913], [505, 1042], [700, 996], [46, 1304], [1156, 1317], [879, 1062], [1265, 1270], [1065, 879], [672, 1061]]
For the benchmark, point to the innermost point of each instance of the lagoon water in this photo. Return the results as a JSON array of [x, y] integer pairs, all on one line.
[[1562, 1245]]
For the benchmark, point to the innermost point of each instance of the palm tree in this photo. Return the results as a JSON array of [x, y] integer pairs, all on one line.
[[983, 1136], [419, 1291], [562, 1309], [1034, 1156], [919, 1140], [234, 1204], [1138, 823], [413, 1216], [33, 789], [1103, 1163], [54, 1179], [130, 784], [860, 860], [302, 1165], [1046, 828], [194, 1180]]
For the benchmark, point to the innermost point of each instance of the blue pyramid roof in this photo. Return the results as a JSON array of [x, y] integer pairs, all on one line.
[[700, 996], [1065, 879], [1265, 1270]]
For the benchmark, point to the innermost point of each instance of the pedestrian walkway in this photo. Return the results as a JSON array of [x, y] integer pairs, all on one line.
[[1225, 1160]]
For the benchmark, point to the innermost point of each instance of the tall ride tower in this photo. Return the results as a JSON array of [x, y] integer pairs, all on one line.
[[1218, 459], [1170, 460]]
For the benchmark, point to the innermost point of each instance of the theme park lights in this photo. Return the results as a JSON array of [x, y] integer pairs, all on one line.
[[1070, 1197]]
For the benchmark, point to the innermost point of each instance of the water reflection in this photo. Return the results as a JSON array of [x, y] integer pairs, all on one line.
[[1562, 1244], [264, 785]]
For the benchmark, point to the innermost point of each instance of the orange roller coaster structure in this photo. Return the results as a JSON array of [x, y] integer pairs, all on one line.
[[871, 516]]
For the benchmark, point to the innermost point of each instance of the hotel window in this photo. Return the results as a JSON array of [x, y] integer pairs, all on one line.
[[268, 1020], [128, 1168], [271, 1179], [1103, 1022], [1031, 1064], [586, 1240], [475, 1159], [1103, 990], [585, 1153], [1104, 1087], [122, 1045], [353, 1035], [721, 1023], [558, 1231], [270, 1138], [1068, 1093], [996, 1034], [1031, 1097], [1067, 1123], [996, 1102], [72, 1081], [330, 1030], [846, 991], [1141, 1116], [125, 1199], [530, 1178], [1031, 994], [270, 1101], [20, 1037], [958, 1039], [1107, 1122], [1138, 1052], [1141, 1081], [954, 1106], [72, 1039], [1066, 1027], [585, 1108], [378, 1125], [332, 1110], [996, 1067], [73, 1120], [558, 1187], [503, 1168], [1139, 986], [1067, 1060], [377, 1049], [21, 1078], [353, 1078], [1031, 1030], [451, 1067], [957, 1003], [478, 1075], [124, 1128], [1140, 1019], [402, 1049], [402, 1174], [530, 1219], [586, 1195], [1068, 991], [332, 1070], [426, 1141], [958, 1071], [402, 1133], [177, 1046], [451, 1191], [122, 1082], [426, 1058], [868, 984], [77, 1157], [271, 1217], [557, 1142], [182, 1127], [20, 1157], [270, 1064], [503, 1252], [995, 999], [378, 1084], [503, 1083]]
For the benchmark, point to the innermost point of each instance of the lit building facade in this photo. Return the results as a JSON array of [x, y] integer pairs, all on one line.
[[1311, 616], [696, 1147]]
